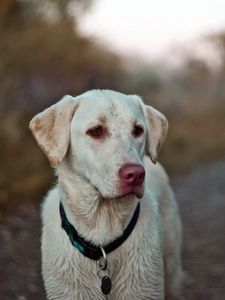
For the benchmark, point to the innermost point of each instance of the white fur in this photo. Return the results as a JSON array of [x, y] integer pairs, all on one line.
[[147, 265]]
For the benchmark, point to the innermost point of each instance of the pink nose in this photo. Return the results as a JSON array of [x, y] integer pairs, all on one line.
[[132, 174]]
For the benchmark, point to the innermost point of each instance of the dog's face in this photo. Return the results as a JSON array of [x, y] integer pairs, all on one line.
[[107, 134]]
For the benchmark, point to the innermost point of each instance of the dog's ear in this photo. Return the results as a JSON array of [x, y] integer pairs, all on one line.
[[157, 131], [51, 128]]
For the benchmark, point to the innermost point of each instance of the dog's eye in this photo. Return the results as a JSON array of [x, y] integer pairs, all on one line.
[[137, 131], [96, 132]]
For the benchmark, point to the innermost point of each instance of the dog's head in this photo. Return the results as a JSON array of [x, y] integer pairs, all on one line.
[[107, 134]]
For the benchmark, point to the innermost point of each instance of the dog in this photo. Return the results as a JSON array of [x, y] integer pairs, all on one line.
[[111, 227]]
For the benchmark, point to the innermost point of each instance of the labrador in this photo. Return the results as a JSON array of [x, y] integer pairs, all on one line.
[[111, 228]]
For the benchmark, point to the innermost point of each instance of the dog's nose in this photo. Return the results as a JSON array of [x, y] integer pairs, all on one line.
[[132, 174]]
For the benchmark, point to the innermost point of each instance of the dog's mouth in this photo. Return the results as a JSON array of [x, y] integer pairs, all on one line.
[[128, 192], [134, 190]]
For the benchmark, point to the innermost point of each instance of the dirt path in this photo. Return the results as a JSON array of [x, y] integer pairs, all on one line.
[[201, 197]]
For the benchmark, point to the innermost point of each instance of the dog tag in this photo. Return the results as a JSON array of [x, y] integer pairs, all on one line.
[[106, 285]]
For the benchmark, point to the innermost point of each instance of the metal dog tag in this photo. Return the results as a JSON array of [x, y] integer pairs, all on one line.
[[106, 285]]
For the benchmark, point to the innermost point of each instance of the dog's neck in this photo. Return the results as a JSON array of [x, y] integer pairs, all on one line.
[[97, 220]]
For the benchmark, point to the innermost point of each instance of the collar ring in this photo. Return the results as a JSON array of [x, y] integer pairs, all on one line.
[[103, 259]]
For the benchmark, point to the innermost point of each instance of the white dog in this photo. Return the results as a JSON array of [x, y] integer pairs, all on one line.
[[111, 228]]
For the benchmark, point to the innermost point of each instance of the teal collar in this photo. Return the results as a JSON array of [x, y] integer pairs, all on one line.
[[88, 249]]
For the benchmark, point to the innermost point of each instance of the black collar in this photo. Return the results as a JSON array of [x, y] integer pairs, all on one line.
[[88, 249]]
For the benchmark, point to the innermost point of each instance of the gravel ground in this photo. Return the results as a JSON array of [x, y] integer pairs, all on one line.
[[201, 197]]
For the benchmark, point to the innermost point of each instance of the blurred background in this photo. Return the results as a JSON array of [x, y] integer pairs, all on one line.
[[170, 53]]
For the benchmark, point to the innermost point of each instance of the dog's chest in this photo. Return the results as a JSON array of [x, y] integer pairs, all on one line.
[[139, 275], [136, 272], [136, 267]]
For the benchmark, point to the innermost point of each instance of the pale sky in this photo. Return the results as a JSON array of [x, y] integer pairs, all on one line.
[[149, 28]]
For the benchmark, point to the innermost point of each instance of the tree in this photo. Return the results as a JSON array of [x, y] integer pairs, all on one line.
[[17, 13]]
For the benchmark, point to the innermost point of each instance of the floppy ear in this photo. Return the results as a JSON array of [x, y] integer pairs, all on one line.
[[51, 128], [157, 131]]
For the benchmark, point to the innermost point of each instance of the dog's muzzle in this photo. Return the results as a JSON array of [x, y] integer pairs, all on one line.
[[132, 177]]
